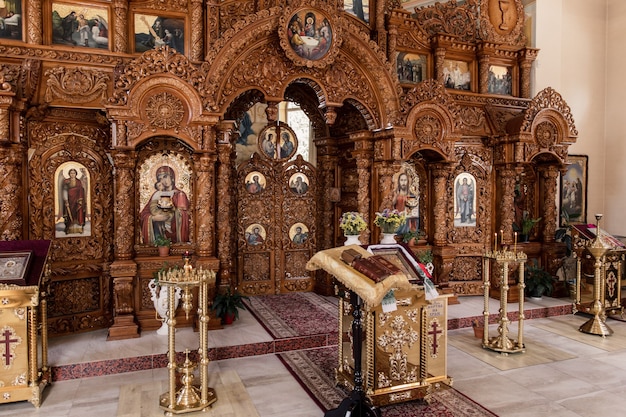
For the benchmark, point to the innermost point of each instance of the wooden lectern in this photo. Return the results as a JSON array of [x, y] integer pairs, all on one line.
[[390, 357], [24, 275]]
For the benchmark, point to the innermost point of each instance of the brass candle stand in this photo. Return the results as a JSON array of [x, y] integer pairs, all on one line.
[[502, 343], [188, 397], [597, 324]]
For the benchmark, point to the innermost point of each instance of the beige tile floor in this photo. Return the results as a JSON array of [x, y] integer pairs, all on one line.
[[591, 381]]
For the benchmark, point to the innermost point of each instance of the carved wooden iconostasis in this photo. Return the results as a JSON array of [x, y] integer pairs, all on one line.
[[403, 110]]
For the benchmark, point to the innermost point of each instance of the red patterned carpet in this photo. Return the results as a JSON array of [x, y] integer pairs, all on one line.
[[295, 314], [300, 314]]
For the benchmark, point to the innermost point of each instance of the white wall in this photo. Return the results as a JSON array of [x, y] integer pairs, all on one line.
[[615, 188], [571, 36]]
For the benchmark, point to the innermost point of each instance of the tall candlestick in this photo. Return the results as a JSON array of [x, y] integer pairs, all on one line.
[[495, 242], [515, 244], [501, 237]]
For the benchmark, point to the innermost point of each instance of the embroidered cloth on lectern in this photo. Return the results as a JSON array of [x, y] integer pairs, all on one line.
[[371, 293]]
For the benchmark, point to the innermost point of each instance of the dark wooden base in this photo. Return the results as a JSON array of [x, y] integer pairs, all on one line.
[[124, 327]]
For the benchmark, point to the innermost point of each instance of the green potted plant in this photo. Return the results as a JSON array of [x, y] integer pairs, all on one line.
[[163, 243], [425, 256], [226, 305], [526, 226], [411, 237], [538, 281]]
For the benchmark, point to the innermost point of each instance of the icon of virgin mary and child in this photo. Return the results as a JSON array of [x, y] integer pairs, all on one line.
[[167, 212]]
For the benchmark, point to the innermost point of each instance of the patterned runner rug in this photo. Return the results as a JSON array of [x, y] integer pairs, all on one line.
[[295, 314], [314, 369], [304, 314]]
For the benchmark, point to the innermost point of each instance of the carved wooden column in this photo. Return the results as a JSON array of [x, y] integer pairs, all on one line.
[[364, 153], [120, 24], [6, 100], [483, 73], [197, 41], [440, 55], [205, 192], [549, 176], [327, 161], [124, 269], [11, 219], [440, 173], [393, 42], [381, 32], [505, 202], [12, 158], [527, 56], [212, 21], [225, 217], [33, 22], [125, 214]]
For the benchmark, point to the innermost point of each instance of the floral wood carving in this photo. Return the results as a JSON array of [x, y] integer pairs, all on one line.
[[231, 12], [450, 19], [178, 5], [76, 85], [435, 93], [52, 148], [10, 213], [546, 134], [165, 111], [548, 98], [428, 129], [157, 61]]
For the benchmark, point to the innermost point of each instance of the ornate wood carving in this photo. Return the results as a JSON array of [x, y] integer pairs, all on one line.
[[440, 174], [76, 85], [156, 61], [506, 210], [34, 22], [475, 161], [365, 125], [124, 163], [197, 40], [549, 175], [205, 169], [548, 98], [276, 208], [78, 262], [225, 213], [502, 21], [450, 19], [120, 26], [11, 220]]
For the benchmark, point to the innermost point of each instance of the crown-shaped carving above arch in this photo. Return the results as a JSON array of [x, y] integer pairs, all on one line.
[[249, 56], [157, 61], [433, 93], [549, 98], [432, 129]]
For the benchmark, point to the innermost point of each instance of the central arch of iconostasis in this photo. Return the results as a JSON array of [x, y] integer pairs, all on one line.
[[344, 88]]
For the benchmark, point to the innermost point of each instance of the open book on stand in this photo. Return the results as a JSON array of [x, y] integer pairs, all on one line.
[[375, 267]]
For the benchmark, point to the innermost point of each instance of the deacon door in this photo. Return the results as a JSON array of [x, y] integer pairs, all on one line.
[[276, 225]]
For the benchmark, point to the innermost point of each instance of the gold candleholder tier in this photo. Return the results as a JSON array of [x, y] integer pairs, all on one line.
[[503, 259], [189, 397]]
